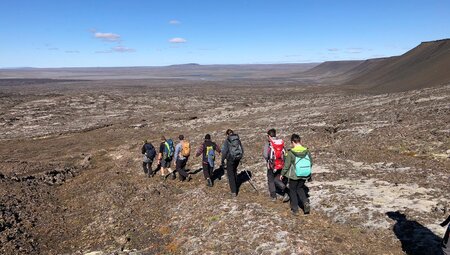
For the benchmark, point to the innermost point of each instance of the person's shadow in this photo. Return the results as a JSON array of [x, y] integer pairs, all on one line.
[[218, 174], [194, 171], [416, 239], [243, 177]]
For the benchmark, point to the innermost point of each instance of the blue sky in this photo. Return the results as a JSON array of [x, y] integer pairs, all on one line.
[[146, 33]]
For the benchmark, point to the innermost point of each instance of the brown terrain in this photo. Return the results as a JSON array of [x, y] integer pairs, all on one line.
[[426, 65], [331, 69], [72, 182]]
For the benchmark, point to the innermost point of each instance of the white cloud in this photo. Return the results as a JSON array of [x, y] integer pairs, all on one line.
[[123, 49], [110, 37], [174, 22], [177, 40]]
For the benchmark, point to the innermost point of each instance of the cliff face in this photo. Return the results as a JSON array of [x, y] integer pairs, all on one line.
[[424, 66], [331, 68]]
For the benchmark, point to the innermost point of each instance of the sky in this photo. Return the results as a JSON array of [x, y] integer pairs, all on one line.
[[100, 33]]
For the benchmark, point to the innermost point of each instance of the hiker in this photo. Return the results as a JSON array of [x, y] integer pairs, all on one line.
[[182, 152], [149, 153], [445, 244], [297, 169], [232, 152], [165, 157], [273, 153], [208, 149]]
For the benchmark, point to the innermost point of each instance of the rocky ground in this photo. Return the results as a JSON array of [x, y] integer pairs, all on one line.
[[71, 179]]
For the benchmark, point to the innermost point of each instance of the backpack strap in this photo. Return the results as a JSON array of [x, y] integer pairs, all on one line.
[[204, 149], [297, 161]]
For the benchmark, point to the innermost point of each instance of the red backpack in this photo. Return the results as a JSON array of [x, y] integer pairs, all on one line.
[[276, 154]]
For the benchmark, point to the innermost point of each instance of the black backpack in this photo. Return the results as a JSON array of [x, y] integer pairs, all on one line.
[[235, 147], [150, 151]]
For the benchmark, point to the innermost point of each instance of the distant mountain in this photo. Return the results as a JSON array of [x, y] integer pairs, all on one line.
[[426, 65], [331, 68], [17, 68], [365, 67], [185, 65]]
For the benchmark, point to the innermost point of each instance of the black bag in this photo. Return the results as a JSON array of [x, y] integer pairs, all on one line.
[[150, 151], [235, 147]]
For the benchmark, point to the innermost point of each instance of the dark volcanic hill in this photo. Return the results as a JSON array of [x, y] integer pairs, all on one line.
[[366, 67], [424, 66], [332, 68]]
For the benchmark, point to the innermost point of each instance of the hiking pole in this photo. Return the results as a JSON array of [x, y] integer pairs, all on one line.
[[250, 181]]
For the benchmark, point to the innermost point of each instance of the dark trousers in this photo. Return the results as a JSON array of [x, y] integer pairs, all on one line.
[[147, 168], [297, 190], [232, 174], [180, 166], [273, 180], [207, 171], [445, 240]]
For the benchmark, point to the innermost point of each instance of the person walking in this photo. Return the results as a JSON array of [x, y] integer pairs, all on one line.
[[232, 152], [207, 150], [182, 152], [445, 239], [273, 153], [149, 154], [297, 169], [165, 156]]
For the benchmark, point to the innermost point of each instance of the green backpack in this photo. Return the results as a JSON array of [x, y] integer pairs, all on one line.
[[303, 166]]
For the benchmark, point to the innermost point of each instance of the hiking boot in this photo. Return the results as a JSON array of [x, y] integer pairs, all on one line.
[[209, 182], [233, 196], [294, 213], [273, 198], [306, 208], [286, 198], [173, 177], [188, 178]]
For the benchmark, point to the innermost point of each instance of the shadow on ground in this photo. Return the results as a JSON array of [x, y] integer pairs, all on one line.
[[416, 239]]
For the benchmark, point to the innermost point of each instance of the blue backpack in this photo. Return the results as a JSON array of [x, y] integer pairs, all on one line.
[[210, 155], [169, 149], [303, 166]]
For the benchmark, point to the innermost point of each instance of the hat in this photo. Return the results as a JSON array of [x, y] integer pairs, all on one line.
[[207, 137]]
